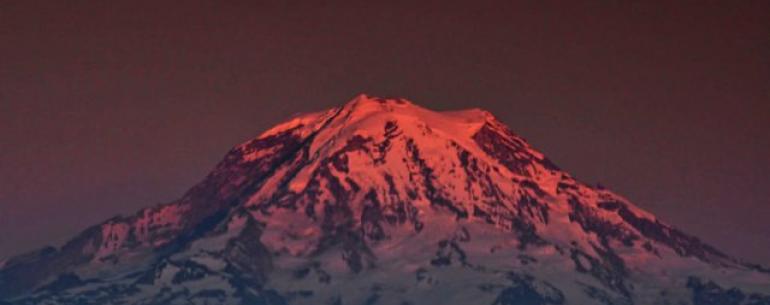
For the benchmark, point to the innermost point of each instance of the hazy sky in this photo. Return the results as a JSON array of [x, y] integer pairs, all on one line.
[[106, 108]]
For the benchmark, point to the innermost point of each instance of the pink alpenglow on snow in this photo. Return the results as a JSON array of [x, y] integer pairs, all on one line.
[[381, 201]]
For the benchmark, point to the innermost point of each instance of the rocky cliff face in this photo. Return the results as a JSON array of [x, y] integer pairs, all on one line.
[[381, 201]]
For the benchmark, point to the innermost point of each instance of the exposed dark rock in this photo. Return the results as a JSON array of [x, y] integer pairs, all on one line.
[[709, 293], [189, 271], [63, 282], [249, 259], [523, 292], [508, 149], [431, 192], [604, 230], [604, 297], [609, 272], [448, 251], [683, 244], [217, 294]]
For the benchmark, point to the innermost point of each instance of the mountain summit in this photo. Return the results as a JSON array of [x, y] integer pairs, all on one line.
[[381, 201]]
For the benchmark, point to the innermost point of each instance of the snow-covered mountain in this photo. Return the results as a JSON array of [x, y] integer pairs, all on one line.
[[381, 201]]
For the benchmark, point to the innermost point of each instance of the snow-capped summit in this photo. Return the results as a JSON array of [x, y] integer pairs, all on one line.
[[381, 201]]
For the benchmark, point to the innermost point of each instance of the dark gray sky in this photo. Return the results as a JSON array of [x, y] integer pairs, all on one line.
[[107, 107]]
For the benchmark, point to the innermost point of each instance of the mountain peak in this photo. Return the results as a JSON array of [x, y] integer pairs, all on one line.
[[363, 108], [364, 98], [368, 103]]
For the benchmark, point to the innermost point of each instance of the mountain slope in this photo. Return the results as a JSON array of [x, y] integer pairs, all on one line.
[[381, 201]]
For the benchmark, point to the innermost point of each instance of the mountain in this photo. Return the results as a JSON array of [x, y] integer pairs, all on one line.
[[380, 201]]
